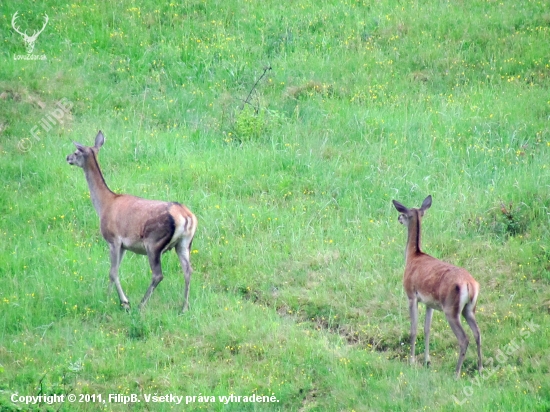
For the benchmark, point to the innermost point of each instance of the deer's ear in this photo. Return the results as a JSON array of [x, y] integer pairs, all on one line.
[[426, 203], [400, 208], [79, 147], [99, 140]]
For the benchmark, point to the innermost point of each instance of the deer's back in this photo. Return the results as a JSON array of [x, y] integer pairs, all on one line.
[[134, 221], [433, 281]]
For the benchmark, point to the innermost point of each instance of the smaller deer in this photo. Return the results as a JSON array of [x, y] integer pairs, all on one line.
[[438, 285], [145, 227]]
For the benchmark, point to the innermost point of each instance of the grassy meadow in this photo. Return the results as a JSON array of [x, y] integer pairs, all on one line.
[[287, 128]]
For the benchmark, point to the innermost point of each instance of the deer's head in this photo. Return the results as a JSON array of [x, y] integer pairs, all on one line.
[[83, 153]]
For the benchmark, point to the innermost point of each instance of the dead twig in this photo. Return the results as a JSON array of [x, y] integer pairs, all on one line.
[[247, 100]]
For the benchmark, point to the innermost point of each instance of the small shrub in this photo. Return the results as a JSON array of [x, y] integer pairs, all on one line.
[[250, 124]]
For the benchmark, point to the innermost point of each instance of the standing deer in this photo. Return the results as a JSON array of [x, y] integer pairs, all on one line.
[[438, 285], [145, 227], [29, 40]]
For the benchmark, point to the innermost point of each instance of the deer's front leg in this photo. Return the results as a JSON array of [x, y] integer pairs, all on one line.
[[413, 313], [427, 324], [116, 253]]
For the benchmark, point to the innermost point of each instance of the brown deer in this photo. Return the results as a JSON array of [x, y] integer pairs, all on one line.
[[438, 285], [145, 227]]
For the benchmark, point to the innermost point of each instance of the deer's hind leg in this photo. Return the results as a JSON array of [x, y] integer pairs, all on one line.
[[469, 315], [183, 249], [158, 234]]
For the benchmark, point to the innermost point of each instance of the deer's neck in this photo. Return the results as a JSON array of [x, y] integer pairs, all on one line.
[[413, 238], [99, 192]]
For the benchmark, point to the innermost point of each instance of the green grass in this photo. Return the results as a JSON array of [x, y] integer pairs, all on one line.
[[298, 257]]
